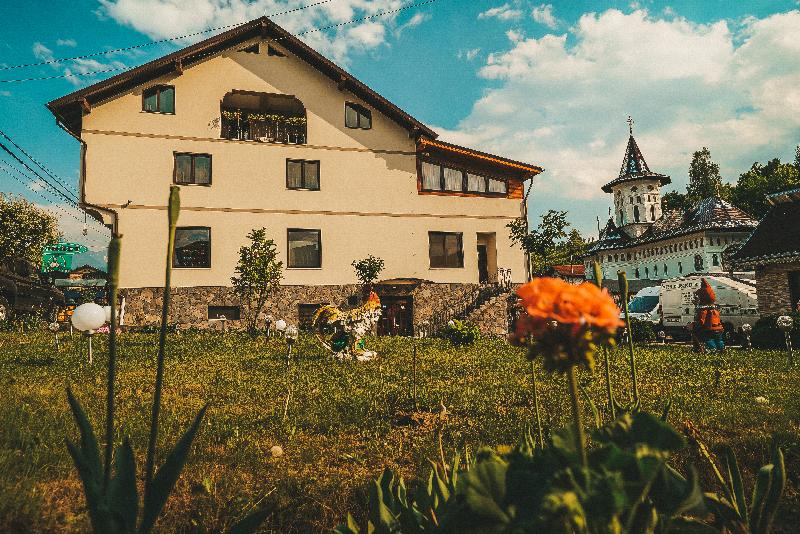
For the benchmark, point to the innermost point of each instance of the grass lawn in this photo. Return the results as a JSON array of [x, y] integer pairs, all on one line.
[[345, 421]]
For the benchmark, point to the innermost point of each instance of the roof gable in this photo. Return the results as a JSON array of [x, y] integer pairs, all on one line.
[[69, 109], [634, 167]]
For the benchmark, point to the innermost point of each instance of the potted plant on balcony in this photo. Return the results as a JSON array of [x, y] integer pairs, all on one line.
[[296, 129]]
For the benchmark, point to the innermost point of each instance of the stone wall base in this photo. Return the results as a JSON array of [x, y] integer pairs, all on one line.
[[189, 306]]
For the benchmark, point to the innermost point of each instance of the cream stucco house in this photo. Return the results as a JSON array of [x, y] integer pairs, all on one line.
[[260, 130]]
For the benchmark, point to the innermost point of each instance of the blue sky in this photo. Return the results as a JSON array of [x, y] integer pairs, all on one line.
[[550, 83]]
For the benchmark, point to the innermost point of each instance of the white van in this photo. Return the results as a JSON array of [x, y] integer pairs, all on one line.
[[736, 299]]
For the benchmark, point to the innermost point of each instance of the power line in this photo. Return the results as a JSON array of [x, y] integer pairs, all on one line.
[[151, 43], [56, 206], [68, 196], [68, 187], [306, 32]]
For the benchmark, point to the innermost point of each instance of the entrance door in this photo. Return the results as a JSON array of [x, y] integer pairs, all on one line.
[[396, 317], [483, 264]]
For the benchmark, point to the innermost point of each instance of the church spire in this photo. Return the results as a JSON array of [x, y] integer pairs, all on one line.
[[633, 164]]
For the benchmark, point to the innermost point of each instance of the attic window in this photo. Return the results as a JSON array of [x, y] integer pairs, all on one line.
[[252, 49], [357, 116], [159, 99], [272, 51]]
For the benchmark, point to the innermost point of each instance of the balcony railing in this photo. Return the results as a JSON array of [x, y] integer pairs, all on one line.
[[264, 127]]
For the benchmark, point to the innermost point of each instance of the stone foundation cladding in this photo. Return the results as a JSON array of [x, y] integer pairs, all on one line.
[[772, 282], [189, 305], [492, 318]]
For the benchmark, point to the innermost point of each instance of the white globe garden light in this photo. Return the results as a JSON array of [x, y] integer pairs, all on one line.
[[280, 325], [107, 310], [87, 318]]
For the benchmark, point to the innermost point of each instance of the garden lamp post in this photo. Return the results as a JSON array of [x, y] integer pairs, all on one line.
[[224, 321], [785, 324], [54, 327], [87, 318], [662, 336], [268, 321], [747, 329], [291, 334], [280, 325]]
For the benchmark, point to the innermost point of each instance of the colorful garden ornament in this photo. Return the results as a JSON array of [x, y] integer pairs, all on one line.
[[342, 332]]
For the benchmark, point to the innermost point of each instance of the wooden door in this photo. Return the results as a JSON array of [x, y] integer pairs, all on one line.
[[396, 317]]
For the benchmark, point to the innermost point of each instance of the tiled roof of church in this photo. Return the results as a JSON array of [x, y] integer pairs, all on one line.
[[634, 167], [777, 237], [711, 213]]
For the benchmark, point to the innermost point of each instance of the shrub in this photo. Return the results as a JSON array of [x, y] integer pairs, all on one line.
[[767, 336], [643, 331], [368, 269], [461, 333]]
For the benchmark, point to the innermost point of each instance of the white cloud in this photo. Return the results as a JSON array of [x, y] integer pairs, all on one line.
[[76, 71], [504, 12], [71, 43], [561, 101], [413, 22], [161, 19], [543, 14], [469, 55]]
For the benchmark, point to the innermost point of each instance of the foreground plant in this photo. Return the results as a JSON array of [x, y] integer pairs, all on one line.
[[113, 500]]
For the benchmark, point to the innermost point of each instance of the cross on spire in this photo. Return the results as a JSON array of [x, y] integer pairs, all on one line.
[[630, 124]]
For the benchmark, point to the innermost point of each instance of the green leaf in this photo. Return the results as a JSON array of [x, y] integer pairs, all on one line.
[[252, 521], [484, 491], [655, 433], [350, 528], [775, 492], [760, 492], [382, 518], [92, 490], [123, 498], [735, 489], [89, 448], [595, 413], [675, 495], [165, 478]]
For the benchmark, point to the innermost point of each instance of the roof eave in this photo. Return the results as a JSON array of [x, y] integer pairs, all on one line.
[[261, 27]]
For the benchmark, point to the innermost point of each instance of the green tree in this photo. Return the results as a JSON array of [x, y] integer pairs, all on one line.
[[258, 274], [26, 229], [704, 178], [550, 243], [751, 189], [368, 269], [675, 200]]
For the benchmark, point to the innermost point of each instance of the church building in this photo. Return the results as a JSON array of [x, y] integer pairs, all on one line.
[[651, 245]]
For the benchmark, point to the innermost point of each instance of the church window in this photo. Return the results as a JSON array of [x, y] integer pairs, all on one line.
[[652, 213], [636, 213], [715, 260], [637, 272], [633, 189], [638, 199], [647, 272], [655, 270], [719, 242], [698, 262], [651, 187], [665, 269], [680, 267]]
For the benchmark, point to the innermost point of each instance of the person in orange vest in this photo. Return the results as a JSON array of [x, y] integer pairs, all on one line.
[[708, 326]]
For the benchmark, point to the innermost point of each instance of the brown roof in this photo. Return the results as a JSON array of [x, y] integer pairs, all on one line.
[[69, 109], [485, 157], [777, 237], [569, 270]]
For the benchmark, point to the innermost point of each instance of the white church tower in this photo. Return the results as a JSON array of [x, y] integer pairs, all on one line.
[[637, 191]]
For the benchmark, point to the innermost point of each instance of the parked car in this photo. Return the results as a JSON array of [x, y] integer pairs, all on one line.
[[645, 306], [24, 289]]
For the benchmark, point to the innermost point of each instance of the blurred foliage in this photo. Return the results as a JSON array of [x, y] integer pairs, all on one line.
[[27, 229]]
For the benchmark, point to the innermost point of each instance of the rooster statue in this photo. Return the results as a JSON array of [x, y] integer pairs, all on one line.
[[342, 332]]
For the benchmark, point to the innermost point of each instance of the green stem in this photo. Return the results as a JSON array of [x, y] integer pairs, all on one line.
[[623, 286], [172, 215], [580, 437], [609, 393], [113, 280], [536, 406]]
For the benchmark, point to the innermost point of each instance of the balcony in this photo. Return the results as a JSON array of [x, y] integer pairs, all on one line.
[[264, 117]]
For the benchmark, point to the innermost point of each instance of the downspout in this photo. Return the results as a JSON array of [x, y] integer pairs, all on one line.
[[528, 266], [82, 186]]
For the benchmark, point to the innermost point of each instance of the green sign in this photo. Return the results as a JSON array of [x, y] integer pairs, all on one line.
[[58, 257]]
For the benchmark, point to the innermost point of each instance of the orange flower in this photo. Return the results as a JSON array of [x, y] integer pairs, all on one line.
[[552, 299]]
